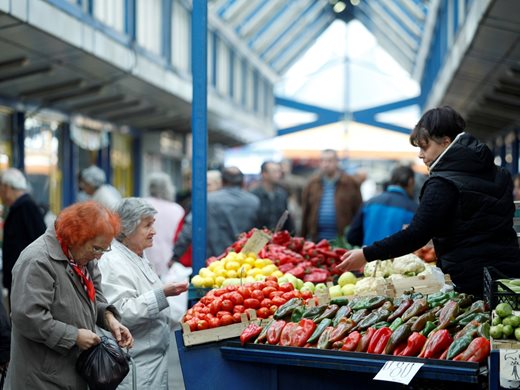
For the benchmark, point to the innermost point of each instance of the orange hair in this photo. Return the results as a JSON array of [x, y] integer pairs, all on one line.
[[82, 222]]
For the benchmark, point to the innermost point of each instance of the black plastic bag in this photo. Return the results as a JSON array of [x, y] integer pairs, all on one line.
[[103, 366]]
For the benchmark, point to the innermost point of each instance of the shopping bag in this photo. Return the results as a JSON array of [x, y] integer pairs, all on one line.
[[104, 366]]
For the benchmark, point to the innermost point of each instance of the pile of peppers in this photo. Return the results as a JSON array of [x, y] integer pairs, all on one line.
[[448, 326]]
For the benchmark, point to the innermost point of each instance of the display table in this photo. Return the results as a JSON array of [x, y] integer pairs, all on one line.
[[227, 364]]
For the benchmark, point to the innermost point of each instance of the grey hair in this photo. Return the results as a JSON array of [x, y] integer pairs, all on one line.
[[131, 212], [160, 186], [94, 176], [15, 179]]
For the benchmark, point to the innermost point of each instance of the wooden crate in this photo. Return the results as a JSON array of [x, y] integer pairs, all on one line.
[[426, 284], [217, 334]]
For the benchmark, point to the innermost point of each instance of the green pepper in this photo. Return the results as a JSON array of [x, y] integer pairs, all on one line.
[[370, 302], [262, 337], [329, 312], [341, 330], [373, 318], [396, 323], [399, 336], [297, 314], [381, 324], [359, 315], [319, 330], [447, 314], [420, 323], [470, 329], [313, 312], [428, 328], [343, 312], [464, 300], [418, 307], [324, 340], [403, 306], [341, 301], [287, 308], [437, 299], [459, 345]]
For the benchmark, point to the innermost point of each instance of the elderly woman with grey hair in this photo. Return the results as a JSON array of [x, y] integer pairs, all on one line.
[[92, 181], [131, 285]]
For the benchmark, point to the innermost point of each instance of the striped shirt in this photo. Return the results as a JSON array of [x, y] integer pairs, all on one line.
[[327, 216]]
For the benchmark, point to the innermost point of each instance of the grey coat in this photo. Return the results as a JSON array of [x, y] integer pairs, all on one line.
[[49, 305]]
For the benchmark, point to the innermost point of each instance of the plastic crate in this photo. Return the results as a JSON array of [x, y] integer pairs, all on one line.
[[496, 292]]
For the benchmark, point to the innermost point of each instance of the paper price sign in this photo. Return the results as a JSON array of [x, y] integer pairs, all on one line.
[[256, 242], [400, 372]]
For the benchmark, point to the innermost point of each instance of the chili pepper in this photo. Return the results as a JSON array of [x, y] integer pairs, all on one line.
[[288, 334], [365, 340], [369, 302], [437, 299], [430, 325], [303, 332], [418, 307], [403, 306], [436, 344], [476, 352], [399, 336], [324, 340], [373, 318], [414, 344], [380, 324], [315, 311], [359, 315], [262, 337], [341, 301], [351, 342], [400, 348], [479, 317], [459, 345], [379, 340], [476, 307], [319, 330], [447, 314], [287, 308], [250, 332], [329, 312], [323, 244], [274, 332], [470, 329], [342, 312], [344, 326], [396, 323], [297, 314], [420, 323]]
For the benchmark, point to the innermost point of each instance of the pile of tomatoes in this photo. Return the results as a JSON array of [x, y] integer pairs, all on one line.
[[224, 306]]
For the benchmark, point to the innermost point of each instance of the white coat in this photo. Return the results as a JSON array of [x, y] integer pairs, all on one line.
[[130, 284]]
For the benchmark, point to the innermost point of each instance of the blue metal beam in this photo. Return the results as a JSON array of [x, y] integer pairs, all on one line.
[[199, 122]]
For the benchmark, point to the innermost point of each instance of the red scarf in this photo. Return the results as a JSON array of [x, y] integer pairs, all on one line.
[[84, 277]]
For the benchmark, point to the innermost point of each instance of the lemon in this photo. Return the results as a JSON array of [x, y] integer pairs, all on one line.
[[241, 257], [208, 282], [232, 265], [231, 273], [219, 280], [197, 281], [231, 256], [249, 260], [214, 265], [269, 269], [220, 272]]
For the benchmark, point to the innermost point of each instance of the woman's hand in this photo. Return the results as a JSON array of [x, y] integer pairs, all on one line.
[[119, 331], [172, 289], [352, 260], [86, 339]]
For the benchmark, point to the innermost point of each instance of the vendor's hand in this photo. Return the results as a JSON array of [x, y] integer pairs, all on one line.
[[86, 339], [353, 260], [119, 331], [172, 289]]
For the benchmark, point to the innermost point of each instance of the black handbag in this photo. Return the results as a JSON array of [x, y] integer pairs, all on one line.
[[104, 366]]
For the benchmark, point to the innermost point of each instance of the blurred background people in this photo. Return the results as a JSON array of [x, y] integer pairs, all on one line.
[[273, 198], [57, 300], [330, 200], [131, 285], [169, 215], [385, 213], [516, 187], [93, 183], [24, 221], [294, 185], [213, 180]]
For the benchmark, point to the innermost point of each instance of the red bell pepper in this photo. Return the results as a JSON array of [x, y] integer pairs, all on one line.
[[303, 332], [365, 340], [281, 238], [250, 332], [379, 340], [436, 344], [297, 271], [274, 332], [323, 244], [400, 348], [414, 345], [351, 342], [317, 275], [288, 334], [477, 351]]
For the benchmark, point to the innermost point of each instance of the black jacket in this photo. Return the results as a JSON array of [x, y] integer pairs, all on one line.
[[23, 224], [272, 206], [467, 208]]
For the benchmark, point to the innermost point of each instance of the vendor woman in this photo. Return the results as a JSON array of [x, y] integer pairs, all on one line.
[[466, 207]]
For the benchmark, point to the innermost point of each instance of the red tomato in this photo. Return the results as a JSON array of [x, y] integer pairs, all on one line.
[[286, 287], [190, 311], [214, 323], [220, 292], [231, 288], [258, 285], [271, 283], [206, 300], [244, 291], [288, 295], [227, 305], [187, 317], [192, 324], [251, 303], [271, 278], [226, 320], [237, 317], [275, 294], [199, 315], [273, 308], [306, 294], [202, 324], [257, 294], [268, 290], [215, 306], [239, 309], [266, 302], [223, 313], [236, 298], [263, 312], [278, 301]]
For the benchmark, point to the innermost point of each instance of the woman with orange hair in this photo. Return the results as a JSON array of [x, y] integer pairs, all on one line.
[[57, 300]]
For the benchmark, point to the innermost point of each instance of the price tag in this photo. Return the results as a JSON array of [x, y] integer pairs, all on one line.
[[400, 372], [509, 368], [256, 242]]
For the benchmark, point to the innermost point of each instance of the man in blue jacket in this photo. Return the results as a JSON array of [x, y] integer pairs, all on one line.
[[386, 213]]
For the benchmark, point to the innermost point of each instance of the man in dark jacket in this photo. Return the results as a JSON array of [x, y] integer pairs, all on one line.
[[386, 213], [273, 198], [24, 222], [330, 200]]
